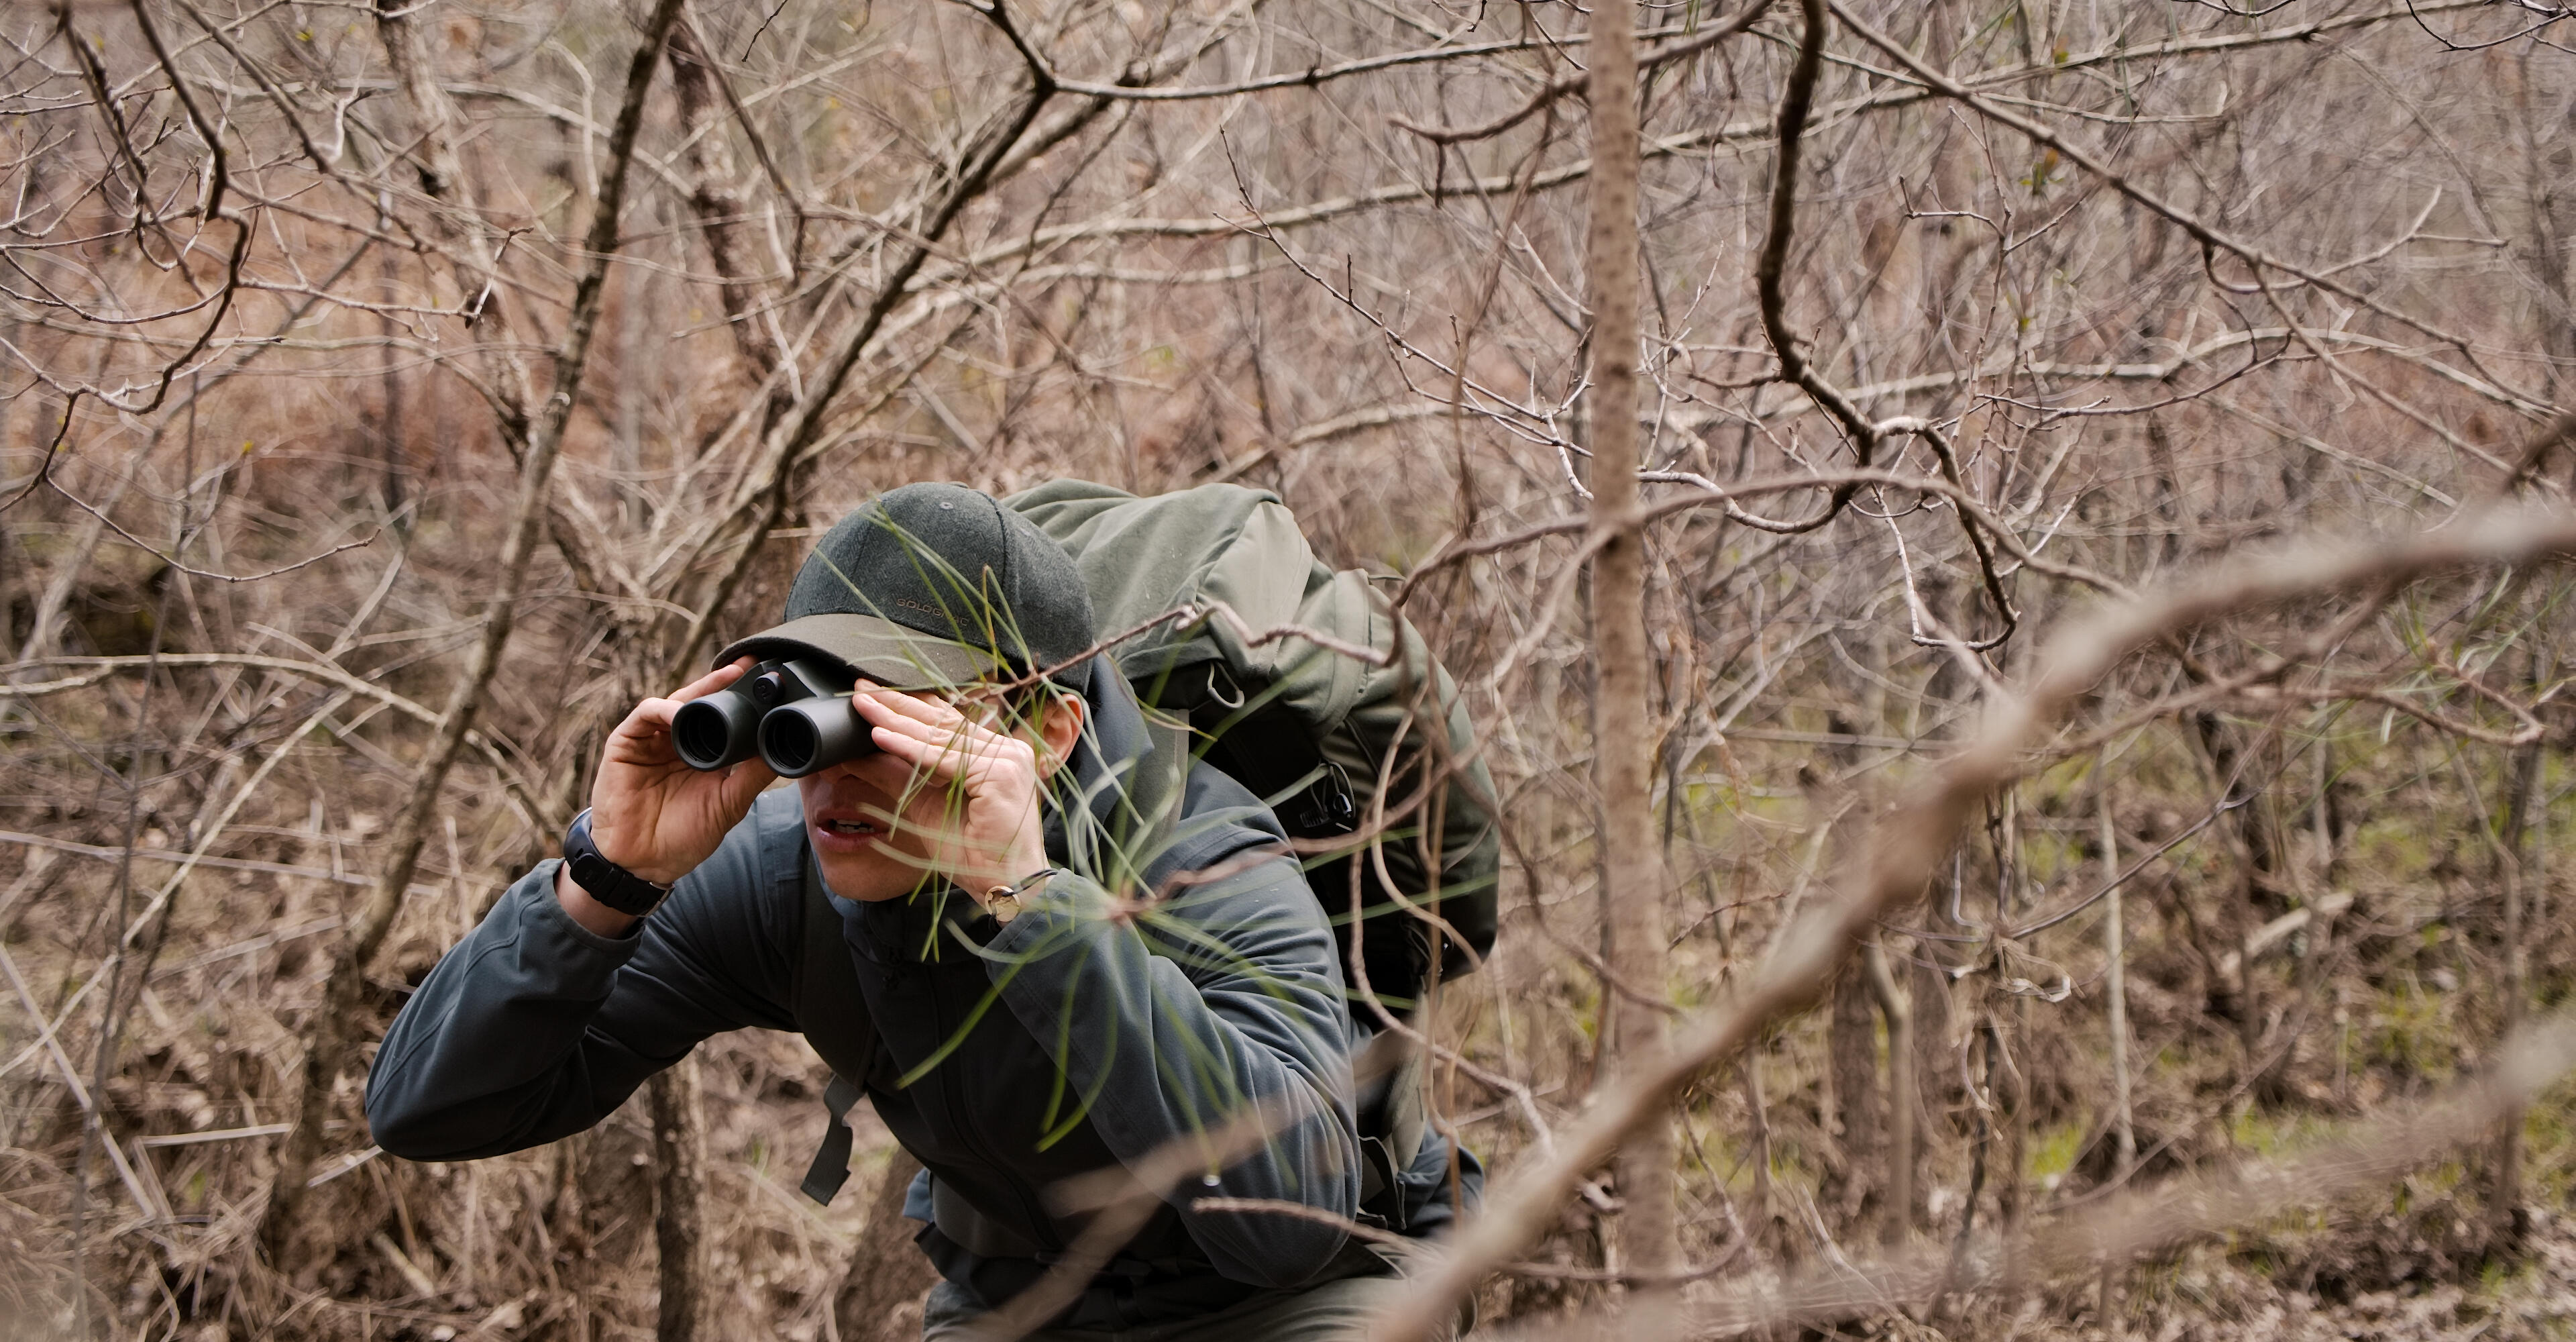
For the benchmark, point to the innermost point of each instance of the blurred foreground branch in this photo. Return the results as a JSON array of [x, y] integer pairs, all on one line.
[[1915, 841]]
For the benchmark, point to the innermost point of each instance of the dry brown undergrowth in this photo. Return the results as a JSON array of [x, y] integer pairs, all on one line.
[[2051, 303]]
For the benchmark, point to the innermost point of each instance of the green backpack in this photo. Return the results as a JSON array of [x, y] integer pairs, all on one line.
[[1315, 732]]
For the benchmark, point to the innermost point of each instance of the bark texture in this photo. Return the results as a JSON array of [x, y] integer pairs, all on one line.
[[1623, 719]]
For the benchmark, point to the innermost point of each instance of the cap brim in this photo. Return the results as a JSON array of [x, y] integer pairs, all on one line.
[[879, 649]]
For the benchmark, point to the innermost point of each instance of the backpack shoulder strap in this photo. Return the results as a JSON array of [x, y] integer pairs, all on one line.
[[833, 1016]]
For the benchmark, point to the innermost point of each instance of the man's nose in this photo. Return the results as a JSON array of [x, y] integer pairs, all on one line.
[[878, 770], [859, 771]]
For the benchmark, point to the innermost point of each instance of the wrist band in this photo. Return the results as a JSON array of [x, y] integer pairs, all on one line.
[[606, 881]]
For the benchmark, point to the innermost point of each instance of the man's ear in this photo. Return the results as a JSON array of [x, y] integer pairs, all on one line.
[[1060, 720]]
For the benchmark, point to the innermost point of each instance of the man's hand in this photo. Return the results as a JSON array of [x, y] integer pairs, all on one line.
[[986, 781], [650, 812]]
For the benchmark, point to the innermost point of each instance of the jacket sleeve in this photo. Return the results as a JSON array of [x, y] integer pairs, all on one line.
[[1174, 1021], [534, 1027]]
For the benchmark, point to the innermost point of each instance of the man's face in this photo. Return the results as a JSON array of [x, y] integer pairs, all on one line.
[[877, 828]]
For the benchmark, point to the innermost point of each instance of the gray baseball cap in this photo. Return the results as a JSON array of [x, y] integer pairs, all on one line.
[[935, 586]]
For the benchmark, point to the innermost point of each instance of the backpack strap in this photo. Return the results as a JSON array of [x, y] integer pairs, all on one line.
[[833, 1016], [1156, 790], [1391, 1073], [831, 1166]]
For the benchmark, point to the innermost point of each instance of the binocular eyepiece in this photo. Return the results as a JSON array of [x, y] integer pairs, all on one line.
[[795, 715]]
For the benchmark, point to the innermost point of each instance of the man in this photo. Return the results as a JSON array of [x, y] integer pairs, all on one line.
[[1183, 999]]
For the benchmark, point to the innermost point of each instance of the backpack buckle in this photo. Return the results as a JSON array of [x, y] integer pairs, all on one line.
[[1381, 1188], [1327, 806]]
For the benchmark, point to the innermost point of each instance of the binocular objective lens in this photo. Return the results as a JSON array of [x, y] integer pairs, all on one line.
[[790, 743], [716, 731], [699, 736], [811, 735]]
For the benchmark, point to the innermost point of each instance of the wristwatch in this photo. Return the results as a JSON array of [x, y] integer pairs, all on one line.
[[606, 881], [1003, 901]]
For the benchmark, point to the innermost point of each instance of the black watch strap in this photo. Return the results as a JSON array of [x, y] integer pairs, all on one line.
[[606, 881]]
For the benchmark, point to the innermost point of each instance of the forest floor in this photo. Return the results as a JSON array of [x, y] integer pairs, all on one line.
[[2375, 1278]]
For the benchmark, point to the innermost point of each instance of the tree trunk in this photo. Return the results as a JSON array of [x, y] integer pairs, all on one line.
[[679, 1221], [1623, 730], [389, 438], [1937, 1093], [1852, 1184], [879, 1298], [2504, 1201], [1757, 1120], [1898, 1207], [2115, 987]]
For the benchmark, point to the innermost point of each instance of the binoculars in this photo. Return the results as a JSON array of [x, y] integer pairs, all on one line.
[[795, 715]]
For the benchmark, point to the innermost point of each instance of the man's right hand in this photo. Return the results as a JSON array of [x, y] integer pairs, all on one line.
[[649, 811]]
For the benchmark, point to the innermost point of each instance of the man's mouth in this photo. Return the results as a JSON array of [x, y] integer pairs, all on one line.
[[850, 820], [848, 833]]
